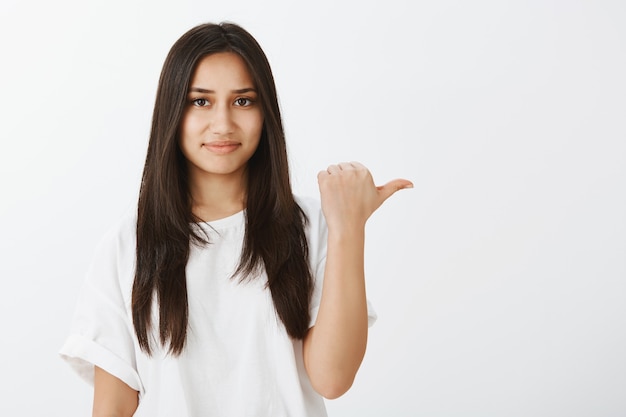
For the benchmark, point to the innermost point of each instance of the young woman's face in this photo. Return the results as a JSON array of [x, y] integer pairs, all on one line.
[[222, 123]]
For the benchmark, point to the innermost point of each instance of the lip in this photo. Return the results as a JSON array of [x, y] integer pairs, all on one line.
[[222, 147]]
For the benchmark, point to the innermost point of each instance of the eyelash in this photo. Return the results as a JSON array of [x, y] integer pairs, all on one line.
[[205, 101], [249, 102], [196, 100]]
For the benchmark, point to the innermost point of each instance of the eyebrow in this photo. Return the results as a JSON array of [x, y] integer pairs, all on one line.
[[205, 91]]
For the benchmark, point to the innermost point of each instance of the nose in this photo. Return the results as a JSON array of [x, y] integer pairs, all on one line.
[[222, 120]]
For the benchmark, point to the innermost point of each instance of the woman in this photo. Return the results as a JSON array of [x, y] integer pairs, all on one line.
[[224, 294]]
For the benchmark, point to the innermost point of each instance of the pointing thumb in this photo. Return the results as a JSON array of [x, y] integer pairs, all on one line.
[[387, 190]]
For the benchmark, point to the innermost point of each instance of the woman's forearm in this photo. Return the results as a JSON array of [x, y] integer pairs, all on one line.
[[334, 347]]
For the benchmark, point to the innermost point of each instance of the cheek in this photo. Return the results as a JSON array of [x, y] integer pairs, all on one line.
[[188, 124], [256, 126], [186, 134], [183, 127]]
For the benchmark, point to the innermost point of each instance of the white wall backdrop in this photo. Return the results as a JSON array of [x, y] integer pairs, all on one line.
[[500, 280]]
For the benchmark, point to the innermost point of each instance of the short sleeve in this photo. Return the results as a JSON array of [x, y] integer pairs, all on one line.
[[318, 241], [102, 333]]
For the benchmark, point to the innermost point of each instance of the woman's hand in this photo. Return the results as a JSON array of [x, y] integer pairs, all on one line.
[[349, 195]]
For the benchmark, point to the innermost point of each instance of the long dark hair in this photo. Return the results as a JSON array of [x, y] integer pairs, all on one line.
[[274, 238]]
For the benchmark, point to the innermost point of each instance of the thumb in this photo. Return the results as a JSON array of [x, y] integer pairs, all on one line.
[[387, 190]]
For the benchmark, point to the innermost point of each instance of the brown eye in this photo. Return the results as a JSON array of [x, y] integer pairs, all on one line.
[[243, 102], [200, 102]]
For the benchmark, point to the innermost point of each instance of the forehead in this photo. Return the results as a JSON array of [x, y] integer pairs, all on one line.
[[222, 70]]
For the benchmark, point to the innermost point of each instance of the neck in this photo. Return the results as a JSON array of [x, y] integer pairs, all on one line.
[[217, 196]]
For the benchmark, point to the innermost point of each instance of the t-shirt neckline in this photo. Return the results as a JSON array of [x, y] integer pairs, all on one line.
[[224, 223]]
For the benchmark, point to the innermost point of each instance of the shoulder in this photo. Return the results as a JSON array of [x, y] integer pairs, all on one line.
[[110, 274], [114, 254], [312, 209], [316, 229], [309, 205], [122, 233]]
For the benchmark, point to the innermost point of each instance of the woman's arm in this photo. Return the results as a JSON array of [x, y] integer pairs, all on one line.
[[112, 397], [334, 347]]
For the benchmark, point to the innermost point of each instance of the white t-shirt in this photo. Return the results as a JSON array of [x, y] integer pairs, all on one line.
[[238, 359]]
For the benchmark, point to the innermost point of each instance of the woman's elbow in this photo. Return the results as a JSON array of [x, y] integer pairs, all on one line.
[[332, 386]]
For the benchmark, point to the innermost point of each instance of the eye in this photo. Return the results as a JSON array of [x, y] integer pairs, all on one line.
[[200, 102], [243, 102]]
